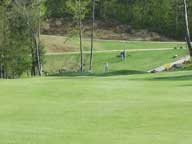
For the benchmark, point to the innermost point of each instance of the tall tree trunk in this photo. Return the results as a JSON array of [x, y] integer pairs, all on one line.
[[188, 39], [143, 13], [38, 55], [33, 65], [3, 41], [38, 42], [92, 35], [176, 16], [36, 67], [80, 37]]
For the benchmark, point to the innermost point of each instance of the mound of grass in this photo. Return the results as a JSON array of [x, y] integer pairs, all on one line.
[[105, 74]]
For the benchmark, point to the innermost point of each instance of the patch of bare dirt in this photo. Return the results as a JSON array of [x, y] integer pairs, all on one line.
[[57, 44], [107, 29]]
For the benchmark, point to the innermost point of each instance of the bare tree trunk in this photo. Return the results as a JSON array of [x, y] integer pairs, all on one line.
[[176, 16], [2, 65], [188, 39], [38, 43], [80, 36], [38, 56], [3, 40], [33, 54], [36, 67], [92, 35], [33, 71], [1, 70], [143, 12]]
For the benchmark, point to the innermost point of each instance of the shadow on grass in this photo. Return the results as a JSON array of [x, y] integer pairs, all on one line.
[[107, 74], [187, 85], [175, 78]]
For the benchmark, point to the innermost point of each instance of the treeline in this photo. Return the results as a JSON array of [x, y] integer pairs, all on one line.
[[163, 16], [20, 49]]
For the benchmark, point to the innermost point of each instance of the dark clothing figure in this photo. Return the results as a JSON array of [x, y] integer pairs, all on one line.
[[123, 55]]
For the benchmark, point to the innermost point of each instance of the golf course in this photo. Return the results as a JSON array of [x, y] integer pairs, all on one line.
[[125, 105], [95, 72]]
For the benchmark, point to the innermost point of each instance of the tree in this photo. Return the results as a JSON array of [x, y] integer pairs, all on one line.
[[20, 31], [40, 71], [79, 10], [55, 8], [188, 39], [2, 35], [15, 52], [80, 36], [32, 13], [92, 35], [176, 15]]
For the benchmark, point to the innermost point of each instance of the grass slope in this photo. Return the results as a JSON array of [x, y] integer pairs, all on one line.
[[59, 44], [137, 109], [140, 61]]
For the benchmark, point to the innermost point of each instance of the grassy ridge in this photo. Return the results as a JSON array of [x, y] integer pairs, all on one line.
[[122, 109], [141, 61]]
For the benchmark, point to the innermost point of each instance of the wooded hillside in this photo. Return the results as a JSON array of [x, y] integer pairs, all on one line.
[[163, 16]]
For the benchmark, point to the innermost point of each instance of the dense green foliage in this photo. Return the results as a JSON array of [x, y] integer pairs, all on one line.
[[14, 47], [55, 8], [160, 15], [163, 16], [19, 32]]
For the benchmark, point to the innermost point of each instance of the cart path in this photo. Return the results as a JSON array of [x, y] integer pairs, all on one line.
[[164, 67], [111, 51]]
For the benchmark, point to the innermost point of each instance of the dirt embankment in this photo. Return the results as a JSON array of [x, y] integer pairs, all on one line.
[[107, 29]]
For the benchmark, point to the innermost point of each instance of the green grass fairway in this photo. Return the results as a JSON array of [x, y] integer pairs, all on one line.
[[59, 44], [140, 61], [137, 109]]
